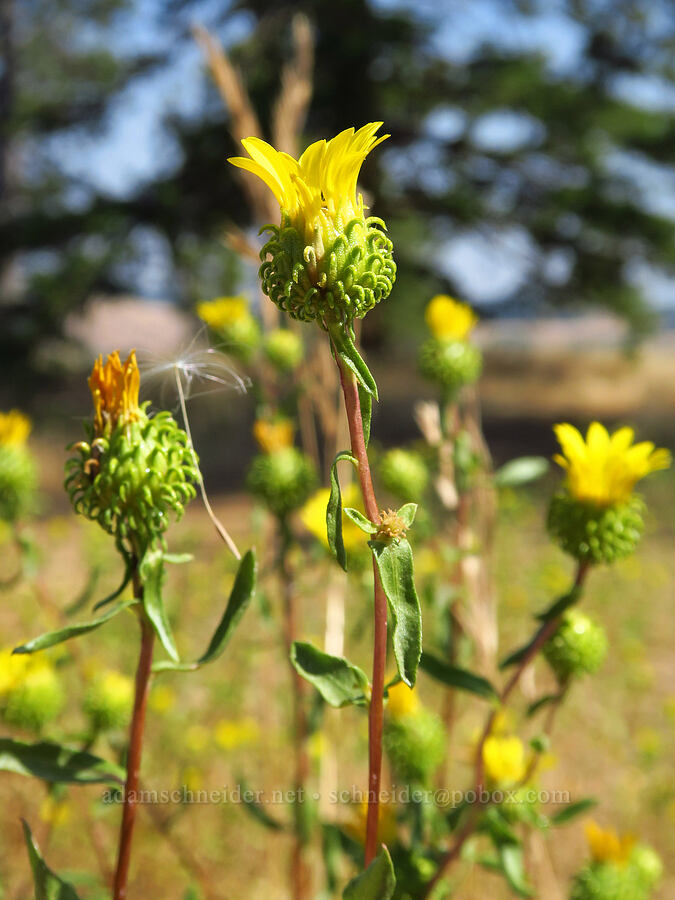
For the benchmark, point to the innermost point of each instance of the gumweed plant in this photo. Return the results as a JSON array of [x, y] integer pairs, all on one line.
[[132, 475]]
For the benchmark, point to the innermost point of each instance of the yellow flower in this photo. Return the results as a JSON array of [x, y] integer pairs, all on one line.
[[14, 428], [318, 191], [55, 812], [604, 469], [387, 829], [197, 738], [448, 318], [162, 698], [273, 435], [223, 311], [606, 845], [403, 700], [13, 669], [236, 733], [313, 516], [504, 758], [114, 388]]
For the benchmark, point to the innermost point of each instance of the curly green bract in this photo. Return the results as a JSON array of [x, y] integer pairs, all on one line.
[[618, 881], [349, 278], [592, 533], [17, 482], [450, 363], [283, 480], [130, 482], [415, 745]]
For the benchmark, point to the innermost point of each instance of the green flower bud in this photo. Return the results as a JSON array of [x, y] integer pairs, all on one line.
[[109, 700], [592, 533], [415, 744], [231, 320], [450, 363], [579, 646], [242, 338], [647, 864], [284, 349], [36, 699], [608, 881], [283, 479], [18, 480], [404, 474]]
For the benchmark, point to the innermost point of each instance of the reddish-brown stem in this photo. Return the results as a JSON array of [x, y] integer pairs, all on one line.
[[546, 631], [298, 869], [135, 750], [376, 708]]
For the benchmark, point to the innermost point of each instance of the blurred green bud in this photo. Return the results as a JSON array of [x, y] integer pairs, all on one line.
[[18, 480], [415, 745], [404, 474], [647, 863], [592, 533], [284, 349], [450, 363], [283, 480], [36, 699], [231, 319], [578, 647], [608, 881], [109, 700]]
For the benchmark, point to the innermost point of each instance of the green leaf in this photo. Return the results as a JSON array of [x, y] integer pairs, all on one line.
[[407, 512], [339, 682], [395, 566], [511, 858], [334, 510], [178, 559], [241, 594], [70, 631], [359, 519], [151, 572], [255, 808], [514, 658], [572, 810], [498, 828], [57, 764], [350, 356], [559, 606], [454, 677], [48, 886], [534, 708], [366, 403], [521, 471], [128, 572], [378, 882]]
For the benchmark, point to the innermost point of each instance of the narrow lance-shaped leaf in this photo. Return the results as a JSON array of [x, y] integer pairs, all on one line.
[[239, 599], [151, 571], [511, 859], [395, 567], [48, 885], [572, 810], [71, 631], [57, 764], [366, 402], [352, 359], [334, 511], [128, 572], [523, 470], [378, 882], [561, 605], [458, 678], [360, 520], [339, 682]]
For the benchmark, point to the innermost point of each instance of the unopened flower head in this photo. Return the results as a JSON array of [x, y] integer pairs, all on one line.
[[604, 468], [326, 261], [134, 469], [282, 479], [17, 469], [233, 322], [273, 434], [449, 319]]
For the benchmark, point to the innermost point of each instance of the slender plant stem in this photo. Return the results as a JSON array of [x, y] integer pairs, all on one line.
[[376, 708], [299, 872], [543, 634], [135, 749]]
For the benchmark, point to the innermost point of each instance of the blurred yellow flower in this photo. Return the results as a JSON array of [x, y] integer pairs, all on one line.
[[604, 469], [223, 311], [114, 389], [318, 191], [232, 733], [14, 428], [606, 845], [448, 318], [55, 811], [313, 516], [273, 435], [504, 758], [197, 737], [403, 701], [192, 778], [387, 829], [162, 698], [13, 669]]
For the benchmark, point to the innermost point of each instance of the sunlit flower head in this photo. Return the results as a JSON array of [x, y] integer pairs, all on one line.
[[14, 428], [223, 311], [606, 845], [604, 468], [504, 758], [320, 187], [313, 516], [273, 435], [448, 318], [114, 388], [403, 701]]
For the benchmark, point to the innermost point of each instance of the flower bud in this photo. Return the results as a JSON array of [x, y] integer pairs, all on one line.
[[578, 647], [231, 319], [404, 474], [592, 533], [36, 698], [109, 700], [283, 480], [17, 469], [284, 349], [452, 364], [413, 737]]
